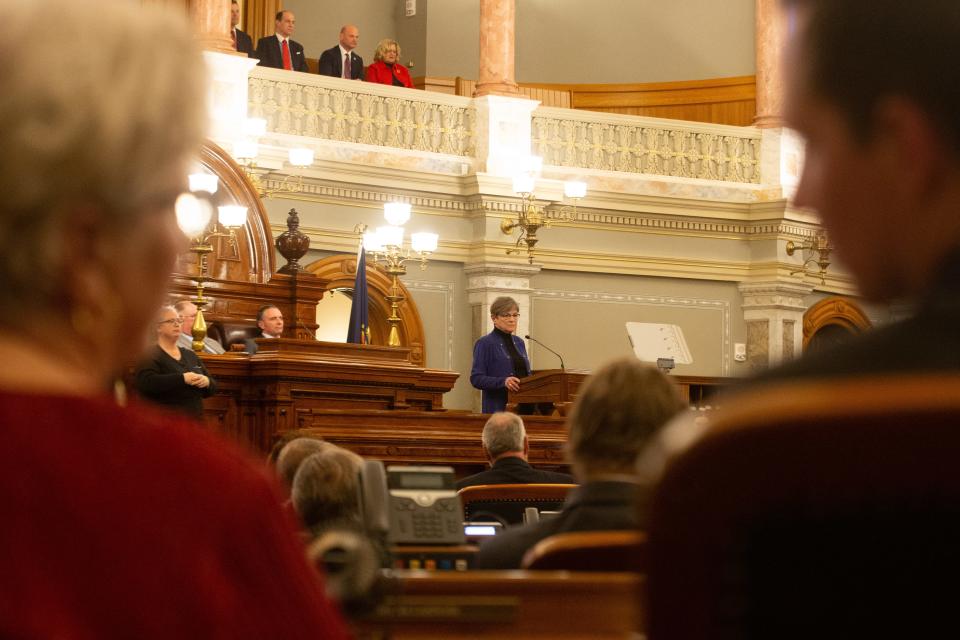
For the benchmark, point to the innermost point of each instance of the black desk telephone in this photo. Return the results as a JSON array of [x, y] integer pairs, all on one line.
[[411, 505]]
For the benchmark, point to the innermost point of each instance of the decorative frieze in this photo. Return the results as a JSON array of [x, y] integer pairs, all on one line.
[[606, 142], [303, 107]]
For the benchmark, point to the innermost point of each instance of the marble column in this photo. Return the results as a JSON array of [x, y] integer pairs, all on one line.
[[770, 38], [211, 23], [497, 27], [773, 312]]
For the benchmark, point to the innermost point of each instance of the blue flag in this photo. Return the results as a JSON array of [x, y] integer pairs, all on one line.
[[359, 331]]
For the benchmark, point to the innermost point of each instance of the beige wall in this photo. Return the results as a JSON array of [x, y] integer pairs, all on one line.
[[609, 41], [582, 316], [601, 41]]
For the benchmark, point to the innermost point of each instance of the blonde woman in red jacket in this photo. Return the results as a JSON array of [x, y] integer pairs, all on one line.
[[386, 68]]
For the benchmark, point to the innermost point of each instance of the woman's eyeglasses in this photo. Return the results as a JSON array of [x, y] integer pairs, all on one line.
[[509, 315], [171, 321]]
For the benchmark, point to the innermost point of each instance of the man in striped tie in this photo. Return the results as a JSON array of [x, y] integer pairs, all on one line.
[[279, 50]]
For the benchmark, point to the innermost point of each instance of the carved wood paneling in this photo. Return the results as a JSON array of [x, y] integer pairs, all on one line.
[[340, 272], [835, 311], [252, 258], [729, 101]]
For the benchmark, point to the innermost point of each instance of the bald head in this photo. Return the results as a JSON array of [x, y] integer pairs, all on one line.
[[349, 37]]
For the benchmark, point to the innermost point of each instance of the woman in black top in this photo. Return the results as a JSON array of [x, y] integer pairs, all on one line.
[[171, 375]]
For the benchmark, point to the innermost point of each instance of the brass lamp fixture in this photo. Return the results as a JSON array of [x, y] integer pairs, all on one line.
[[196, 220], [385, 247], [533, 217], [247, 149], [819, 249]]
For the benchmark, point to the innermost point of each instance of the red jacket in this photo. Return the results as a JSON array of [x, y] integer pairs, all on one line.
[[380, 72]]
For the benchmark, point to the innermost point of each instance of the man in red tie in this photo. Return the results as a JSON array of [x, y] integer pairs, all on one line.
[[241, 40], [341, 61], [279, 51]]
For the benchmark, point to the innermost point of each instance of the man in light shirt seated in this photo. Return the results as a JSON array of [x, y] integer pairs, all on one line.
[[188, 312]]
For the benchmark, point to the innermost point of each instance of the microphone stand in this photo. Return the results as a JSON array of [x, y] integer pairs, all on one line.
[[532, 339]]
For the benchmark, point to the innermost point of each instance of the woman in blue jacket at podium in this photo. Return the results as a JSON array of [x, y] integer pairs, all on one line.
[[499, 358]]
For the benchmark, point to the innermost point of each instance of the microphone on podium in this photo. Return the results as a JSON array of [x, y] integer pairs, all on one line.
[[532, 339]]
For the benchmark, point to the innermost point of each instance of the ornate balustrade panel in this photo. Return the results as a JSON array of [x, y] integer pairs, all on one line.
[[347, 111], [610, 142]]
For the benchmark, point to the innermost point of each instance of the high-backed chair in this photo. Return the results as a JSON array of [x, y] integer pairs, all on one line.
[[811, 510], [231, 333], [506, 502], [589, 551]]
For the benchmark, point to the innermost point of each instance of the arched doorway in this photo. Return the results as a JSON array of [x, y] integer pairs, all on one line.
[[832, 321], [341, 271]]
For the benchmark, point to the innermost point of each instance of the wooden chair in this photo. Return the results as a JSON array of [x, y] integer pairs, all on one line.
[[815, 509], [589, 551], [506, 502]]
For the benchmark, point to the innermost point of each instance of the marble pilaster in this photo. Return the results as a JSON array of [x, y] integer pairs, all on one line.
[[773, 312], [497, 27], [770, 39], [488, 281], [503, 134], [211, 24], [227, 88]]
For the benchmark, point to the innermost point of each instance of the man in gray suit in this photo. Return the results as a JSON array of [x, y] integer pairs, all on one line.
[[188, 311]]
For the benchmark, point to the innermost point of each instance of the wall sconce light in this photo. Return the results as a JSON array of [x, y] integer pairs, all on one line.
[[818, 247], [533, 217], [385, 247], [196, 219], [247, 149]]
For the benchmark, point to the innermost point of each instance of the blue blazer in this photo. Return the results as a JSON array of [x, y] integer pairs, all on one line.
[[491, 367]]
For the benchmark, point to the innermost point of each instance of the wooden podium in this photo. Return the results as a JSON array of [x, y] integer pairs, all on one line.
[[557, 387]]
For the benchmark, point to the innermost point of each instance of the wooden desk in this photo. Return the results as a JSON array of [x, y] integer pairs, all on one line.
[[507, 604], [265, 394]]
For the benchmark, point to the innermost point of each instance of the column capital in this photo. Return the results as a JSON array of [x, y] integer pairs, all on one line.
[[786, 296]]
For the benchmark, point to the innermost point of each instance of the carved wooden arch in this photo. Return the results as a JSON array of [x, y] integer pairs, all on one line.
[[341, 271], [252, 259], [832, 312]]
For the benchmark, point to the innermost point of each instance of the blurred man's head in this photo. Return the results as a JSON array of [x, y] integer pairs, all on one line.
[[188, 313], [234, 14], [326, 488], [880, 116], [619, 410], [504, 436], [293, 454]]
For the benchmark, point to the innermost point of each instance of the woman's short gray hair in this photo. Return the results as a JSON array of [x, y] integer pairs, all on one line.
[[502, 305], [382, 46], [111, 128]]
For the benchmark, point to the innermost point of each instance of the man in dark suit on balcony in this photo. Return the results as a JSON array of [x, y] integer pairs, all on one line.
[[332, 61], [241, 41], [279, 51], [505, 444]]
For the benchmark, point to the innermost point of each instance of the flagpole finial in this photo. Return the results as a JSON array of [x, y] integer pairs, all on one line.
[[360, 229]]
